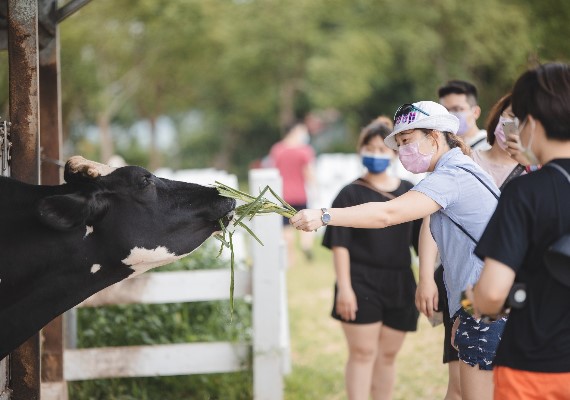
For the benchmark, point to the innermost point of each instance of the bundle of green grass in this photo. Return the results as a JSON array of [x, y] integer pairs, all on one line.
[[251, 207]]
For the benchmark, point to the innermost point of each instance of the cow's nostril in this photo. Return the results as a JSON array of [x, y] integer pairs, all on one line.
[[228, 217]]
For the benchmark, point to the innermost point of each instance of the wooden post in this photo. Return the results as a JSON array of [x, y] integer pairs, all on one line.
[[25, 166], [54, 386], [267, 296], [24, 89]]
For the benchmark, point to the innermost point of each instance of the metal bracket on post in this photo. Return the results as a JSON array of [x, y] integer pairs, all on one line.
[[5, 147]]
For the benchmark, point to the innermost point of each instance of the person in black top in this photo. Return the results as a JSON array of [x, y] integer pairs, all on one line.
[[374, 292], [533, 358]]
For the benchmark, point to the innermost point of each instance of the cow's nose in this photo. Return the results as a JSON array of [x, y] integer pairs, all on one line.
[[226, 219]]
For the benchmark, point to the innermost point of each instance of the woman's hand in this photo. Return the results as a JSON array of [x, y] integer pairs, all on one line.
[[514, 148], [346, 305], [427, 297], [307, 220], [470, 296]]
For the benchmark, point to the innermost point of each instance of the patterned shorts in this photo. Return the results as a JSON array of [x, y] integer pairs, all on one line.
[[477, 342]]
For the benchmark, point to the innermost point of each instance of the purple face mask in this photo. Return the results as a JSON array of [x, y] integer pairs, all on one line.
[[463, 126], [500, 133], [412, 159]]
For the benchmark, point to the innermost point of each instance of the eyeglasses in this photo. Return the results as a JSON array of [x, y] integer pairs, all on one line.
[[403, 113]]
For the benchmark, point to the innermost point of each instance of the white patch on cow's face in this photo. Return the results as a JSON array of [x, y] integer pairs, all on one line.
[[88, 230], [95, 268], [141, 260]]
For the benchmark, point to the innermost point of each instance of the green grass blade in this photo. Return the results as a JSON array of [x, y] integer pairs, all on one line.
[[251, 206], [232, 277], [244, 226], [222, 239], [283, 202]]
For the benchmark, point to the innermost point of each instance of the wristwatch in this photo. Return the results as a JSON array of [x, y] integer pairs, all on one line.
[[326, 217]]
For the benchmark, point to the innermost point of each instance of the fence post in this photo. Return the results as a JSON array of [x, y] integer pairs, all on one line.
[[268, 294]]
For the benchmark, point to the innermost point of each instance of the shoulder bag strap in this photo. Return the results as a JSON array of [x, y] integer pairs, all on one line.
[[519, 169], [462, 229], [480, 180], [477, 142], [365, 183], [488, 188]]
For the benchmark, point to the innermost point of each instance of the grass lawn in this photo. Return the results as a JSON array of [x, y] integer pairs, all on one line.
[[318, 345]]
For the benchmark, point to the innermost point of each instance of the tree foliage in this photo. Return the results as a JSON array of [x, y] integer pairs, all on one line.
[[248, 67]]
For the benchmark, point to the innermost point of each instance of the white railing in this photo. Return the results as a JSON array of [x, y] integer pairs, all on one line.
[[264, 283]]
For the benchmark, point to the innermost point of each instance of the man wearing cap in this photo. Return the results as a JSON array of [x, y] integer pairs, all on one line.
[[460, 198]]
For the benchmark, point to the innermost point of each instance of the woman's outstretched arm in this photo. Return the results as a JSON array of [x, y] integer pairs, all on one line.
[[410, 206]]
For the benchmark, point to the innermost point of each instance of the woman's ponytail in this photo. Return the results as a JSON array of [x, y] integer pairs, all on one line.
[[454, 141]]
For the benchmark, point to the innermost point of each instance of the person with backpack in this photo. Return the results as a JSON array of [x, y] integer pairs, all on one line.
[[527, 241], [431, 294], [460, 198]]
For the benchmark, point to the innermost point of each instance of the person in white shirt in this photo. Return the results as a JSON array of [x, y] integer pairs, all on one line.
[[460, 99]]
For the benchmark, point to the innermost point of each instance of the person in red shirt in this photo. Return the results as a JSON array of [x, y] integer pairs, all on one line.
[[294, 157]]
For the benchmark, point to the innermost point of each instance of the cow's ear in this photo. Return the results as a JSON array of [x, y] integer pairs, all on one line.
[[64, 212]]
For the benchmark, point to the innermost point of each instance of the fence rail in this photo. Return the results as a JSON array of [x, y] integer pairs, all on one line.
[[173, 287], [156, 360]]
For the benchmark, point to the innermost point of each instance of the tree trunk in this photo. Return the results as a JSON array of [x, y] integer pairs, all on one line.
[[287, 103]]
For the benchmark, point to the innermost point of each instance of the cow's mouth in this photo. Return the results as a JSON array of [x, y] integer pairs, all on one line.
[[226, 217]]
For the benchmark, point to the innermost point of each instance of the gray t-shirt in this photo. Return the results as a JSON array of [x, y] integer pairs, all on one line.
[[468, 202]]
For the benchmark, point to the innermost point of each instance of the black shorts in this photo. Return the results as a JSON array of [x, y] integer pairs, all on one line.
[[449, 352], [383, 295], [297, 207]]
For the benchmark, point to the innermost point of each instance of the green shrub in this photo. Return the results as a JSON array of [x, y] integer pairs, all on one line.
[[147, 324]]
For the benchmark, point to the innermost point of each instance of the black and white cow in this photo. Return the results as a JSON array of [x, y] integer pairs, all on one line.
[[61, 244]]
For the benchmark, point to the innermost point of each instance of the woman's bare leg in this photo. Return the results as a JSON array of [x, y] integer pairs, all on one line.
[[384, 373], [362, 343]]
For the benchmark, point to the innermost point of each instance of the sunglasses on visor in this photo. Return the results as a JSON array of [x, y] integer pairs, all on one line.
[[407, 108]]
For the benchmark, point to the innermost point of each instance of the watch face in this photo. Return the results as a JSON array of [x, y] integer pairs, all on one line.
[[326, 217]]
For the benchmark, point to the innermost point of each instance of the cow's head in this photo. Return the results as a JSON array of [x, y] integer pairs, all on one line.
[[63, 243], [133, 216]]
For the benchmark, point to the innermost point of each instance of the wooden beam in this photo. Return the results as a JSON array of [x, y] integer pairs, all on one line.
[[156, 360], [24, 89], [24, 115], [173, 287], [51, 174], [50, 109]]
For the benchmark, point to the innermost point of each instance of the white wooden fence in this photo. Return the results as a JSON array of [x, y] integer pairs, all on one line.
[[264, 283]]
